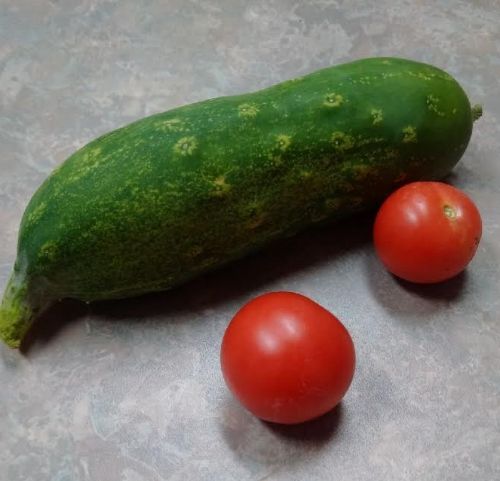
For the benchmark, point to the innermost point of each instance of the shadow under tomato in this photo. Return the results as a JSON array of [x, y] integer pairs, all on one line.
[[406, 299], [231, 282], [448, 290], [316, 431], [273, 445]]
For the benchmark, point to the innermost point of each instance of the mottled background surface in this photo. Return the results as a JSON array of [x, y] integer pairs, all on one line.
[[132, 391]]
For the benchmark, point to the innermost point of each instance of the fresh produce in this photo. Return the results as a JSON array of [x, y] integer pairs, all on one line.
[[427, 232], [168, 197], [286, 358]]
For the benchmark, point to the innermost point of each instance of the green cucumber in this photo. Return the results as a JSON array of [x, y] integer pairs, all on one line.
[[153, 204]]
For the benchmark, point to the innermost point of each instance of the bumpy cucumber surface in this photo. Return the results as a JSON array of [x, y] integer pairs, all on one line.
[[157, 202]]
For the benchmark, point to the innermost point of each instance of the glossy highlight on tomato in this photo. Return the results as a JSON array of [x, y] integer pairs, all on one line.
[[427, 232], [286, 358]]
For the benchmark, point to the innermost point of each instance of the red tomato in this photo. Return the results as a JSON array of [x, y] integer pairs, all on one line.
[[286, 358], [427, 232]]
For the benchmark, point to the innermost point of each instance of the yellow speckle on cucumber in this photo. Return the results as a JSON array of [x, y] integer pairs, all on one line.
[[377, 116], [421, 75], [283, 142], [275, 159], [221, 187], [410, 134], [95, 152], [342, 141], [48, 251], [36, 214], [333, 100], [248, 110], [186, 146], [433, 105], [171, 125]]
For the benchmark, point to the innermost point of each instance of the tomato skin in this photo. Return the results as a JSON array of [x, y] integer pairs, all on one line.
[[286, 358], [427, 232]]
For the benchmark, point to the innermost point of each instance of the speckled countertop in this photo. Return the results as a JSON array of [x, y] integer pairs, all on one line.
[[131, 390]]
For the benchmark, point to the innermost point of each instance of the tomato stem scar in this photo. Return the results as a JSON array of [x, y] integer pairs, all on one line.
[[449, 212]]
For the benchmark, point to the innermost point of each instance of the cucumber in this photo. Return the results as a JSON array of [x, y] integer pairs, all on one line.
[[155, 203]]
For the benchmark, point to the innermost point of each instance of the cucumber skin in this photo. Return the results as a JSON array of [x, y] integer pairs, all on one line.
[[157, 202]]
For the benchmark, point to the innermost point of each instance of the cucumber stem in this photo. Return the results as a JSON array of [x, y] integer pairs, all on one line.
[[18, 310], [477, 111]]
